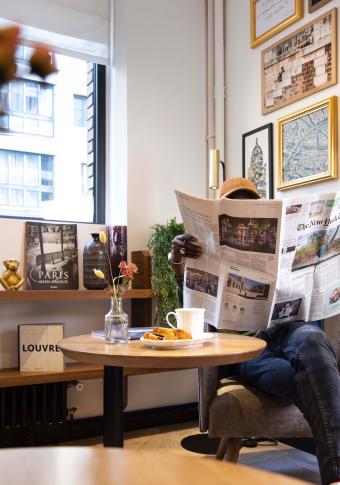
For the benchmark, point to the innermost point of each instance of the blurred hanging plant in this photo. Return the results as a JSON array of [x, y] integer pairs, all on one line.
[[42, 61], [162, 274]]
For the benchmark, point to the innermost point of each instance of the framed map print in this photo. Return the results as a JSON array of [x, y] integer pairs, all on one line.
[[308, 145], [257, 159], [268, 17], [300, 64]]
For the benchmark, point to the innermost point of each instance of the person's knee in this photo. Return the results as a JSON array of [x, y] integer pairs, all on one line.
[[309, 337], [311, 344], [276, 378]]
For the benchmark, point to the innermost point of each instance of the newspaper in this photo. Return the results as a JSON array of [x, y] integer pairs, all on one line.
[[264, 261]]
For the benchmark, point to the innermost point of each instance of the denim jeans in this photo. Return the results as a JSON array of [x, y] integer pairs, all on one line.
[[299, 365]]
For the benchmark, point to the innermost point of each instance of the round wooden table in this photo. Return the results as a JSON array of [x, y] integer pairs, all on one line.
[[220, 349], [99, 466]]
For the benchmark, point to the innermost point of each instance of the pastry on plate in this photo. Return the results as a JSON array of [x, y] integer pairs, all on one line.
[[162, 333], [182, 334]]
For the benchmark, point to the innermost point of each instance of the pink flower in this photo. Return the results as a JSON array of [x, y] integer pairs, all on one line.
[[127, 273], [133, 267], [121, 283]]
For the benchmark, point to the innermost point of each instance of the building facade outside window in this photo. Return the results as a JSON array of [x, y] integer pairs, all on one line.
[[43, 143], [79, 104]]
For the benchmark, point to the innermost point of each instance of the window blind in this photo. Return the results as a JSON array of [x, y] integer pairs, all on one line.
[[76, 27]]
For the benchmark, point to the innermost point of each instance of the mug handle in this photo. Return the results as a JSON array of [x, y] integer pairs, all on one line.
[[167, 319]]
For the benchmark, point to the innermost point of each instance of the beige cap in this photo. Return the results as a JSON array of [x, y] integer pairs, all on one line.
[[237, 183]]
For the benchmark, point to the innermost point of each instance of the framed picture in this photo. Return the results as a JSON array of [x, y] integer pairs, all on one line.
[[257, 159], [51, 256], [308, 145], [301, 64], [315, 4], [38, 347], [268, 17]]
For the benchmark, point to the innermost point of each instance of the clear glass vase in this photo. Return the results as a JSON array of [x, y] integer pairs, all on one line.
[[116, 323]]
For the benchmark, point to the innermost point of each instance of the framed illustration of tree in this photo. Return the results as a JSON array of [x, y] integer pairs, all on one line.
[[257, 159], [307, 143]]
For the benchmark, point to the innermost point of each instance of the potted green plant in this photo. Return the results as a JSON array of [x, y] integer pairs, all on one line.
[[162, 275]]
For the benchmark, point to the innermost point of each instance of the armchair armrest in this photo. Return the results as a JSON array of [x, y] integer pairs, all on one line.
[[208, 381]]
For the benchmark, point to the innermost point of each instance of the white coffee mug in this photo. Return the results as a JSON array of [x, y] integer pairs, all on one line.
[[189, 319]]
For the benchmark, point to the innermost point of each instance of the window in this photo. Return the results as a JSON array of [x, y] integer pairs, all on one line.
[[28, 178], [31, 97], [29, 107], [84, 178], [48, 166], [3, 196], [79, 103]]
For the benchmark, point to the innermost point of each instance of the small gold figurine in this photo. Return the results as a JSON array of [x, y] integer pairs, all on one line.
[[11, 279]]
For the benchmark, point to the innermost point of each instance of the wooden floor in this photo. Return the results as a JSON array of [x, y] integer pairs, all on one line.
[[279, 459]]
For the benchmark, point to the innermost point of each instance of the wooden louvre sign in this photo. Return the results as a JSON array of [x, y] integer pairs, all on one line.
[[38, 347]]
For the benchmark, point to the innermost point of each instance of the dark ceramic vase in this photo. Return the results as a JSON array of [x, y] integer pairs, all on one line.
[[95, 257]]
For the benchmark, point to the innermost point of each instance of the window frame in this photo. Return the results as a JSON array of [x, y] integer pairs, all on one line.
[[99, 139]]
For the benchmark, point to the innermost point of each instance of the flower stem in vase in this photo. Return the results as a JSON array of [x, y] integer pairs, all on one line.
[[116, 323]]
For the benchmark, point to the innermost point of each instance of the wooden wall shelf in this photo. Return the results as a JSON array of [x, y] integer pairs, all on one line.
[[75, 371], [72, 372], [30, 295]]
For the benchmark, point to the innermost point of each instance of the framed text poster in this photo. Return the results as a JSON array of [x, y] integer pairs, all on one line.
[[268, 17]]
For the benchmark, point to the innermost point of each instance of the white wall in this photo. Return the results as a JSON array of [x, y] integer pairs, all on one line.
[[158, 125], [243, 82], [166, 110]]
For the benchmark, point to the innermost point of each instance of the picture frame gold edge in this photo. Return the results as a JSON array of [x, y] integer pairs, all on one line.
[[312, 107], [332, 102], [317, 89], [306, 182], [256, 41]]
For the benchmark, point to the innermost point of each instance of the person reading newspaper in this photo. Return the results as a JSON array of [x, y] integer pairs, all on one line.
[[298, 364]]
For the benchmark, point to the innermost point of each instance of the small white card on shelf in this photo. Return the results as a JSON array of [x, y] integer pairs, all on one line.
[[38, 347]]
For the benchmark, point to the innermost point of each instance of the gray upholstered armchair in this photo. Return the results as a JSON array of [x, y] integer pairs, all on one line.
[[231, 411]]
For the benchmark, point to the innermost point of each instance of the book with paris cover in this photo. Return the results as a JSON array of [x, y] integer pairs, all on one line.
[[51, 256]]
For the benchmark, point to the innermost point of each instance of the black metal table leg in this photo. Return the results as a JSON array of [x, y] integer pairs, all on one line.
[[113, 406]]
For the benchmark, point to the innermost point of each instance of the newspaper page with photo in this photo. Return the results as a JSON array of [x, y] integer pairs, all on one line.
[[235, 278], [308, 286]]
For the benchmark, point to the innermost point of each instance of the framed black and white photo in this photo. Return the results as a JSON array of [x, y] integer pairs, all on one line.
[[38, 347], [51, 256], [301, 64], [257, 159]]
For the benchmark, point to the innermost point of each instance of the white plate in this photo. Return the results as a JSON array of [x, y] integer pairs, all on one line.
[[176, 344]]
